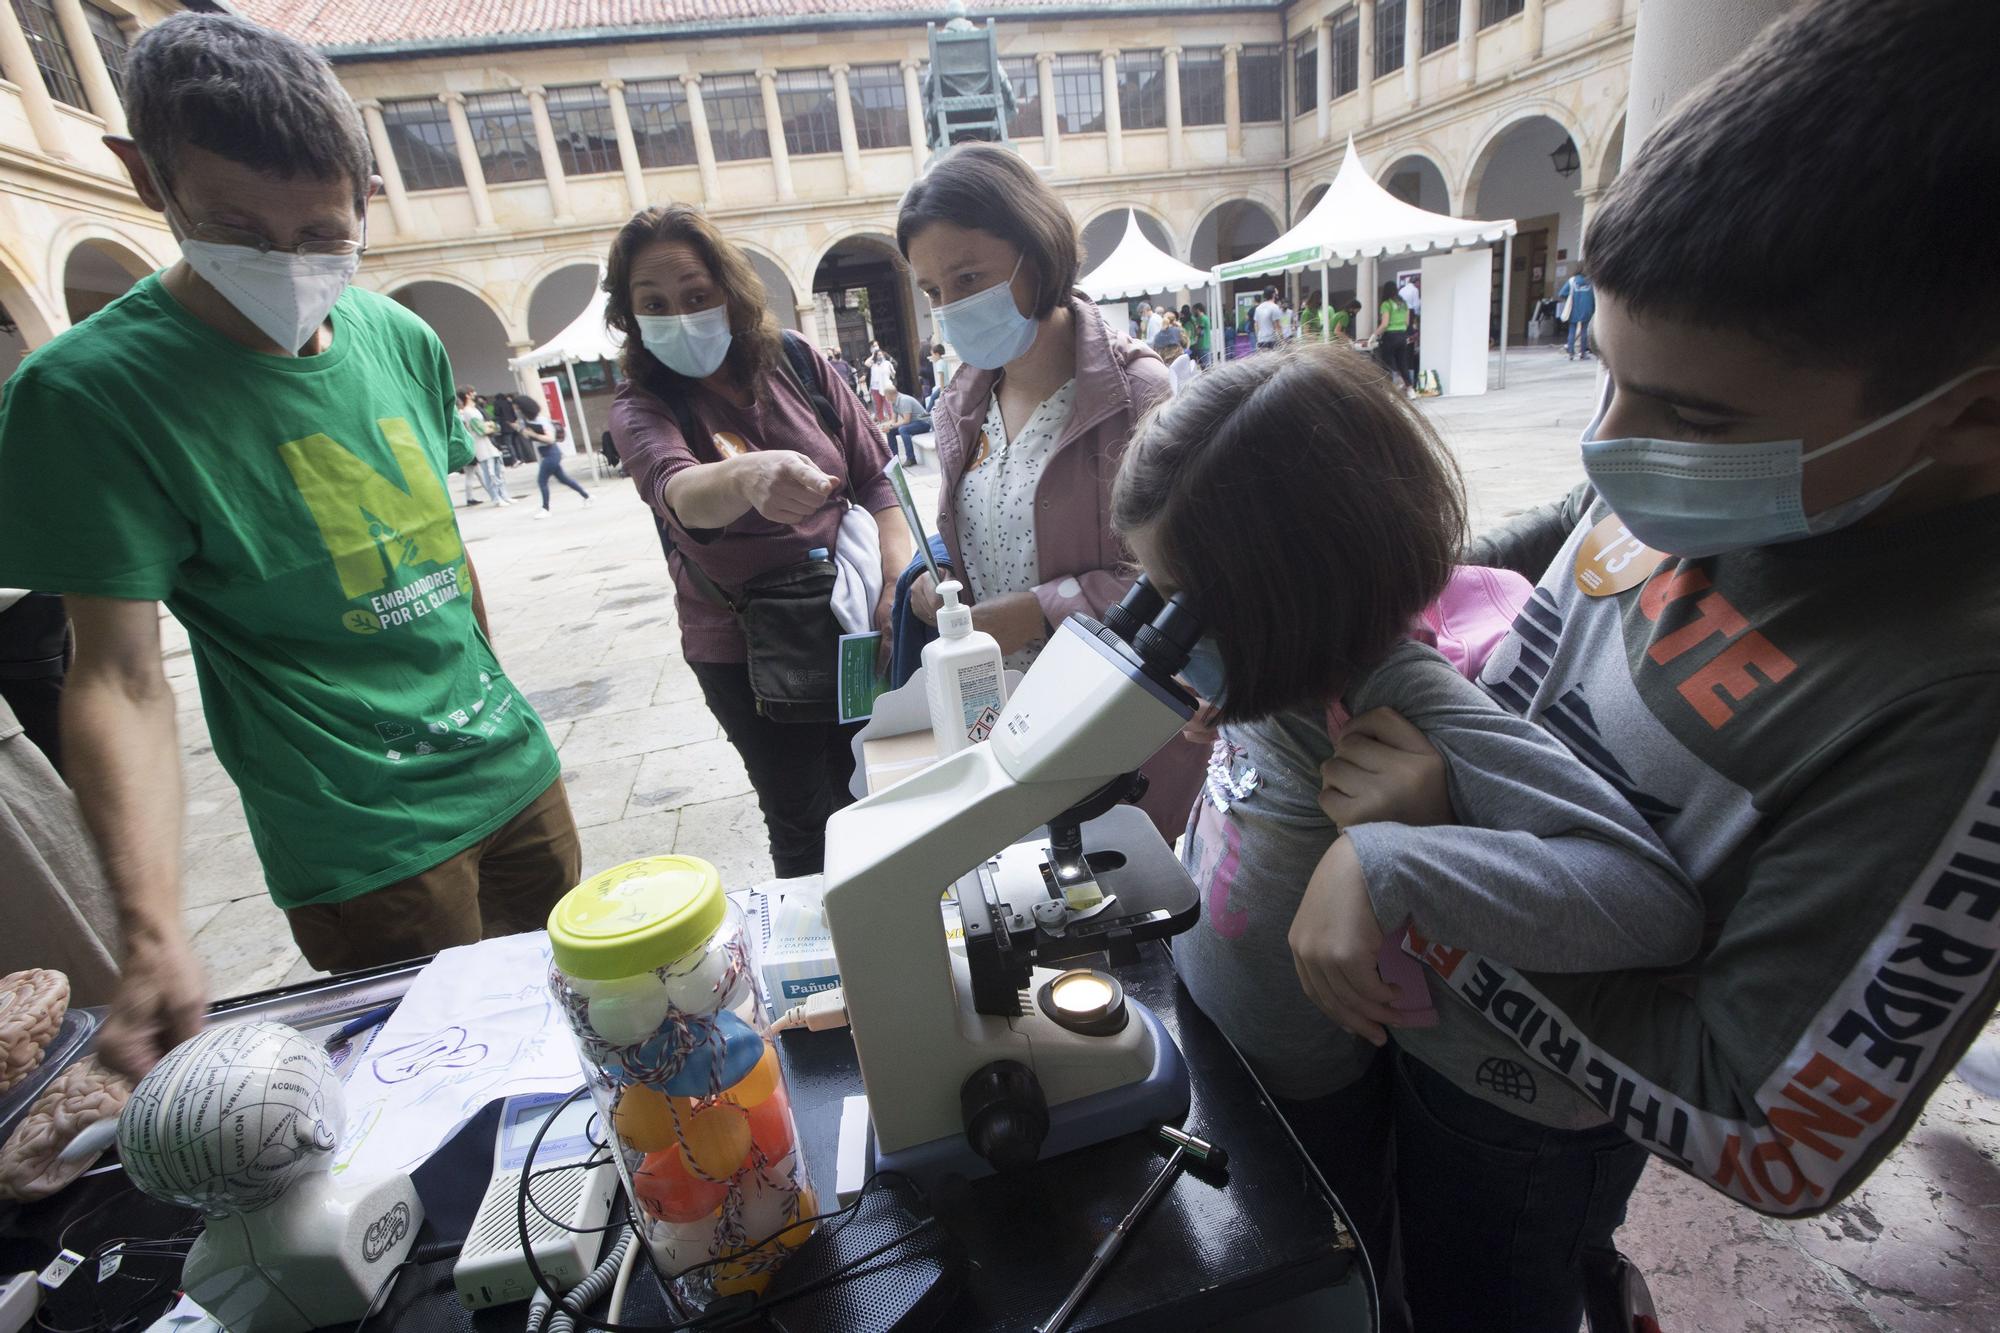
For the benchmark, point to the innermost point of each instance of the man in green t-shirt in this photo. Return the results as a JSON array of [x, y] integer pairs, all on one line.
[[264, 449]]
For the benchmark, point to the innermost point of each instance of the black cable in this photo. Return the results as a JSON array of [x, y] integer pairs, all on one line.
[[707, 1318], [530, 1177], [381, 1290]]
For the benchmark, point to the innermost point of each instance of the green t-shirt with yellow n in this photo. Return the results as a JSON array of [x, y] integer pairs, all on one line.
[[292, 513]]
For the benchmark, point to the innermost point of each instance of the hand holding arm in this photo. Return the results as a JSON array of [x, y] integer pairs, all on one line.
[[124, 763], [1383, 770], [1335, 942]]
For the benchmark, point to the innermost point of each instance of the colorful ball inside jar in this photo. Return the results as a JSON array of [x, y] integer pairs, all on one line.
[[670, 1192], [716, 1140]]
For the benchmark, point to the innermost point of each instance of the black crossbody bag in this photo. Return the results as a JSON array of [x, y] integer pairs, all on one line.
[[789, 629]]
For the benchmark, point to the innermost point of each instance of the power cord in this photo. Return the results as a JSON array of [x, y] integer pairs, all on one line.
[[726, 1313]]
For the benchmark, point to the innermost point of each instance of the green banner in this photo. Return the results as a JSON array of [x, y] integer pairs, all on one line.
[[1250, 268]]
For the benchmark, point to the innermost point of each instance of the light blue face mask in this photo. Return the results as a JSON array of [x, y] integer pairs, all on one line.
[[691, 345], [1203, 672], [1695, 499], [987, 328]]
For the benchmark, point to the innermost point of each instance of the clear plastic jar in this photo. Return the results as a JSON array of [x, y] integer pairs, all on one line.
[[652, 970]]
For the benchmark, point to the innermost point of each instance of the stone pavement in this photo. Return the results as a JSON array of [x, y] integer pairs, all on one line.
[[583, 620]]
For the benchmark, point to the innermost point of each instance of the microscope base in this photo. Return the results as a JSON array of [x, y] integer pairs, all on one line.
[[1161, 1096]]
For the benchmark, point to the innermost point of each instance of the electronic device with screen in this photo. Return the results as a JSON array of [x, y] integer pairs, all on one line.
[[491, 1269]]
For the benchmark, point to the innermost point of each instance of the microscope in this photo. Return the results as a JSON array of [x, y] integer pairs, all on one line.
[[992, 1060]]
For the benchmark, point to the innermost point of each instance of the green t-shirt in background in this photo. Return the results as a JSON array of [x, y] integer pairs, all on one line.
[[1395, 317], [292, 514]]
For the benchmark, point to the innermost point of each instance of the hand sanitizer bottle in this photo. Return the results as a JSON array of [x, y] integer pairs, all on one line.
[[965, 677]]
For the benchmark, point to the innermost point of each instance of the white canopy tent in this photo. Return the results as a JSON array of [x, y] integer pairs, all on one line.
[[1137, 267], [1356, 219], [585, 338]]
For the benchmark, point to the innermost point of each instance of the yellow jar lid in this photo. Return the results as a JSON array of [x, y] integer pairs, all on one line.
[[636, 917]]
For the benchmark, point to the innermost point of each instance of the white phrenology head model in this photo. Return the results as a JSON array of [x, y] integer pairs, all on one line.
[[231, 1119]]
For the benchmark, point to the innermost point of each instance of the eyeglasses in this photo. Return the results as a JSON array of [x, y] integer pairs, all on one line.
[[216, 233]]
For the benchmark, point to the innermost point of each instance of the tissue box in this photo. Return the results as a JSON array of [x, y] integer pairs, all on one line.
[[794, 947]]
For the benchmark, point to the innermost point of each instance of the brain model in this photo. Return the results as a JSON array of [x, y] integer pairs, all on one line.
[[81, 1095], [231, 1118], [32, 1005]]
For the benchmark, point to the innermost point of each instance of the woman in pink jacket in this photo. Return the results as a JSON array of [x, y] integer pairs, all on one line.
[[1030, 432]]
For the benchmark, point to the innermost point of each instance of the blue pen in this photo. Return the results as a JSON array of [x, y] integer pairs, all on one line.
[[360, 1025]]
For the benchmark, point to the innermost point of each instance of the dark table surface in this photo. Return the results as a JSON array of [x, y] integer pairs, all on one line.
[[1211, 1251]]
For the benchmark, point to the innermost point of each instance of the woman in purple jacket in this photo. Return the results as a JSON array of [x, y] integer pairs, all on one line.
[[1030, 432]]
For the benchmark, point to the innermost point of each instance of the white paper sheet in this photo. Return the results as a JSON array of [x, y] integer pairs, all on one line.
[[478, 1024]]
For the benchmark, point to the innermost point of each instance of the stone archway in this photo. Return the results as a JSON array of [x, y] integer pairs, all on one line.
[[1100, 235], [1416, 178], [862, 293], [469, 327], [97, 272], [25, 322], [1515, 175], [780, 297], [1231, 229]]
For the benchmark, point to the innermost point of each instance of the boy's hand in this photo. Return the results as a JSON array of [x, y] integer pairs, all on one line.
[[1335, 940], [1384, 771]]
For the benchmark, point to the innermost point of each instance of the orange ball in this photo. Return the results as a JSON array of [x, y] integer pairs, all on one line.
[[760, 1082], [716, 1139], [644, 1118], [795, 1236], [670, 1193], [771, 1125], [734, 1278]]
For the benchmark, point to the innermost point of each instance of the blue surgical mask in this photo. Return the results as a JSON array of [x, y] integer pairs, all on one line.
[[1695, 499], [988, 329], [691, 345], [1203, 672]]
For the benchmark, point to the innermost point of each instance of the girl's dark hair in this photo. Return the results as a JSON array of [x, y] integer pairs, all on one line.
[[753, 350], [1306, 509], [983, 187], [1389, 292], [529, 406]]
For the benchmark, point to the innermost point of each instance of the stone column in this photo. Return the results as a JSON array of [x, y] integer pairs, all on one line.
[[628, 145], [1045, 79], [1232, 102], [774, 134], [545, 139], [1364, 288], [1364, 36], [913, 102], [1413, 55], [385, 163], [808, 314], [17, 58], [704, 146], [1677, 46], [1468, 41], [1591, 197], [530, 383], [1614, 11], [1114, 117], [1323, 78], [850, 142], [90, 66], [1535, 16], [1176, 145], [468, 163]]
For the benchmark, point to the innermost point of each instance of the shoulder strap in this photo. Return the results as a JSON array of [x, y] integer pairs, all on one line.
[[799, 357]]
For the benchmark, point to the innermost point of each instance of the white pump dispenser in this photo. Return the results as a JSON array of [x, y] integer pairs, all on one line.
[[965, 677]]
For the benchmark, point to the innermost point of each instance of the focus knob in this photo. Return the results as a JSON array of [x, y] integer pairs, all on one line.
[[1006, 1116]]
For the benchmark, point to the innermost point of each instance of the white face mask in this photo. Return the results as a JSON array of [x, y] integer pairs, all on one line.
[[286, 296], [691, 345], [1696, 498]]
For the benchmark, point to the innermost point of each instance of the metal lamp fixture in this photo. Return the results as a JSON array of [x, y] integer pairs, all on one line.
[[1565, 159]]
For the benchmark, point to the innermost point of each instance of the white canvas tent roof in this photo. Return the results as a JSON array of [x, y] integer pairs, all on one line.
[[1356, 219], [584, 339], [1138, 267]]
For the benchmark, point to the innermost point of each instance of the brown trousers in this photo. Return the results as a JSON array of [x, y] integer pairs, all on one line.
[[502, 885]]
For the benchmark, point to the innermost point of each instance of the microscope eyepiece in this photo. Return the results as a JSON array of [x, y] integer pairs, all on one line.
[[1132, 613], [1170, 636]]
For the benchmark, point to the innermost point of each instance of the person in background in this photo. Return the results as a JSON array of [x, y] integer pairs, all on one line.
[[1029, 434], [1150, 320], [1201, 333], [485, 456], [608, 446], [842, 370], [1267, 321], [881, 382], [911, 421], [1342, 321], [1181, 367], [1312, 318], [941, 371], [1168, 336], [1412, 294], [547, 439], [1392, 344], [1287, 321], [1577, 305], [727, 446], [34, 658], [508, 420], [401, 793]]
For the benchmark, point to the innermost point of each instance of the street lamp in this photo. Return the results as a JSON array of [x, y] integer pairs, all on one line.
[[1565, 159]]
